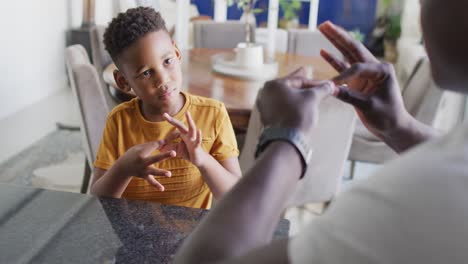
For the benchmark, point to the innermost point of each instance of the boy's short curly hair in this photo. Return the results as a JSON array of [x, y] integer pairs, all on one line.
[[129, 26]]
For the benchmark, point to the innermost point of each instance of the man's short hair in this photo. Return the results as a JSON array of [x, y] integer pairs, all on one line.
[[130, 26]]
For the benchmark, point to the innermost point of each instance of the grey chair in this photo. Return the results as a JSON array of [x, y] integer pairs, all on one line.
[[309, 43], [93, 109], [421, 97], [220, 35], [101, 59], [330, 141], [281, 39]]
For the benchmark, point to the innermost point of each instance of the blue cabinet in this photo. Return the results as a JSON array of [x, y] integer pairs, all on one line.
[[350, 14]]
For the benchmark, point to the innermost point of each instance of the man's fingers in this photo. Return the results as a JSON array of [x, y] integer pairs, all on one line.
[[300, 72], [336, 63], [353, 50], [367, 71], [151, 180], [340, 39], [322, 90], [301, 83], [358, 100], [160, 157], [178, 124]]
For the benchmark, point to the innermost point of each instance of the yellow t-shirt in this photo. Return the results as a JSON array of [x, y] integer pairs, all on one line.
[[126, 127]]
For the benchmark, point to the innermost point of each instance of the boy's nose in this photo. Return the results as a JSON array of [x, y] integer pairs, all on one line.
[[162, 78]]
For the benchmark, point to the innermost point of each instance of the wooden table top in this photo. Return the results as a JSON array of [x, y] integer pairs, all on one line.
[[235, 93]]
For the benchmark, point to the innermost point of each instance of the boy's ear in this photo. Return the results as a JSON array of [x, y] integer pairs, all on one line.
[[177, 51], [121, 82]]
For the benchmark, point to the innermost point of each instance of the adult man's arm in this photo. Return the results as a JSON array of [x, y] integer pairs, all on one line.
[[247, 216]]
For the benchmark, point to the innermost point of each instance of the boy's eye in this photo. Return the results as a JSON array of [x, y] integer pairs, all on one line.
[[146, 73], [169, 61]]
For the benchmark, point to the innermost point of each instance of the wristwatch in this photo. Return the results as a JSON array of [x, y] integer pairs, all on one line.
[[291, 135]]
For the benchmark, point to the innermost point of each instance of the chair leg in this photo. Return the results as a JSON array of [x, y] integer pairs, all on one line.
[[86, 177], [353, 168]]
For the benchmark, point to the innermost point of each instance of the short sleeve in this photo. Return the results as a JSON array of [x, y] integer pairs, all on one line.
[[107, 153], [225, 144]]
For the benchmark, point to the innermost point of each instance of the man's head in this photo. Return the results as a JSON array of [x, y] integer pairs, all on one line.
[[147, 58], [445, 27]]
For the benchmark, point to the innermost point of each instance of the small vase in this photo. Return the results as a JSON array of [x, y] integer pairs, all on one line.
[[248, 20], [251, 19], [88, 14], [289, 24], [390, 51]]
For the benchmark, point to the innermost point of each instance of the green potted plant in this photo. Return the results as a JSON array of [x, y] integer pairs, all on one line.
[[357, 35], [392, 31], [290, 13]]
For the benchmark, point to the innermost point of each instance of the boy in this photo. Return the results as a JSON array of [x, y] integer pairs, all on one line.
[[147, 137]]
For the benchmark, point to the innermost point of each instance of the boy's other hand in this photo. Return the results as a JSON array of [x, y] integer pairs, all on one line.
[[190, 147], [138, 161]]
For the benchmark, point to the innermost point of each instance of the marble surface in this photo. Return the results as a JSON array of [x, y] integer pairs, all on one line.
[[42, 226]]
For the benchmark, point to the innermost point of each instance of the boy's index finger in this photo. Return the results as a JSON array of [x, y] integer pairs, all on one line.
[[160, 157], [178, 124], [172, 137], [191, 123]]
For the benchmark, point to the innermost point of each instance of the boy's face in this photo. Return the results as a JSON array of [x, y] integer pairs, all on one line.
[[151, 67]]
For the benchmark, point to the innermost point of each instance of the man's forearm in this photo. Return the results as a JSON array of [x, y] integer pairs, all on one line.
[[247, 216], [411, 133]]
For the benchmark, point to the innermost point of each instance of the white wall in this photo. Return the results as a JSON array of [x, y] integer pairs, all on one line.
[[32, 47], [32, 43]]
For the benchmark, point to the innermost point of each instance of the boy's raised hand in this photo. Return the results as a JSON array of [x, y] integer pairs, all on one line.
[[190, 147], [138, 161]]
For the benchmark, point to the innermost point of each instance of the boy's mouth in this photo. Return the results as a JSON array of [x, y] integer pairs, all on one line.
[[166, 95]]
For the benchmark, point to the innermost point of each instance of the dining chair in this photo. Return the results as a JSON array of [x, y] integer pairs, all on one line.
[[330, 141], [85, 84], [410, 45], [309, 43], [220, 35], [422, 99], [281, 38], [101, 59]]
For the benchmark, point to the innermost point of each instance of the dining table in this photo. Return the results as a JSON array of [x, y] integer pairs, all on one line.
[[330, 139], [238, 94], [45, 226]]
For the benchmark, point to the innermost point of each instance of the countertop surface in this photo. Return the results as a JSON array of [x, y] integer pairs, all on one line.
[[43, 226]]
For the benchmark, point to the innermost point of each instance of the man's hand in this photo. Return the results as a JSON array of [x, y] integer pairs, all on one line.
[[372, 88], [293, 101], [190, 147], [137, 161], [365, 83]]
